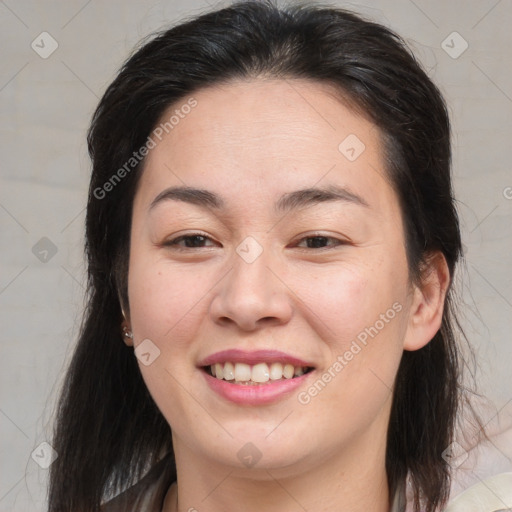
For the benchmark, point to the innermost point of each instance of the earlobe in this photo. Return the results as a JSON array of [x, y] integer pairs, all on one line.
[[426, 312], [127, 335]]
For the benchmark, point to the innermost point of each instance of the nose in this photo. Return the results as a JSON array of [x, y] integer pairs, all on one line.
[[252, 295]]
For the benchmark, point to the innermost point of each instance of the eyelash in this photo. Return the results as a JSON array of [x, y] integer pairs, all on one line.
[[173, 242]]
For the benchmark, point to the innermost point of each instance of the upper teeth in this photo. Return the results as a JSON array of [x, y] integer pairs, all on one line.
[[261, 372]]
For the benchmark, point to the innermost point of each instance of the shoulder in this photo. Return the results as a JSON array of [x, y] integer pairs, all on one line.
[[147, 494], [491, 495]]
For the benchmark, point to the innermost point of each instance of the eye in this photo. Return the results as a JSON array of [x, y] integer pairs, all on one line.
[[191, 241], [199, 240], [320, 242]]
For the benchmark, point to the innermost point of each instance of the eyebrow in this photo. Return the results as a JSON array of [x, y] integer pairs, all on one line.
[[289, 201]]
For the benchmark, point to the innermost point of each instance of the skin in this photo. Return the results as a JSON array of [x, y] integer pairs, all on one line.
[[251, 142]]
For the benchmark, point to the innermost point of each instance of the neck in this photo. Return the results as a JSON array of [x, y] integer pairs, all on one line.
[[354, 479]]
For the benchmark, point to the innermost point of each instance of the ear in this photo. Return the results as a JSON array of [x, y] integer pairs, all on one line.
[[426, 312]]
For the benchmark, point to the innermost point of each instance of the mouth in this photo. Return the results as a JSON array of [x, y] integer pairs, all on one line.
[[253, 375], [254, 378]]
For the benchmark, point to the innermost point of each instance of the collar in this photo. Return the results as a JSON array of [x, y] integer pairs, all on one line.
[[399, 501]]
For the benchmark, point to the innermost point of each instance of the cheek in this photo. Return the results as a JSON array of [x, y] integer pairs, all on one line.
[[164, 301], [361, 316], [351, 300], [166, 308]]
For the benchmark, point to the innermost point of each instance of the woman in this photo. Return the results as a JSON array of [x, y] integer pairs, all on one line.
[[271, 231]]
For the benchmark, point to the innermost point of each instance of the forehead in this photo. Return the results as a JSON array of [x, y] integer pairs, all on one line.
[[253, 140], [271, 114]]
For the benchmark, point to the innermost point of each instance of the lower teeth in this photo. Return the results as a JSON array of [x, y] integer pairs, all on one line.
[[249, 382], [252, 383]]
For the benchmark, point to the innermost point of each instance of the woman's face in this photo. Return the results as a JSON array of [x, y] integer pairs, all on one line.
[[270, 279]]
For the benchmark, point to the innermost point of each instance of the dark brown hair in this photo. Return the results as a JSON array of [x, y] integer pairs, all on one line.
[[108, 429]]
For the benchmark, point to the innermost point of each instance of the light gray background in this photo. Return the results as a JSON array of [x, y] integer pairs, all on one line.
[[46, 105]]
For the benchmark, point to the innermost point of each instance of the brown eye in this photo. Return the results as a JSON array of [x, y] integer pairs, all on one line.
[[320, 242], [192, 241]]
